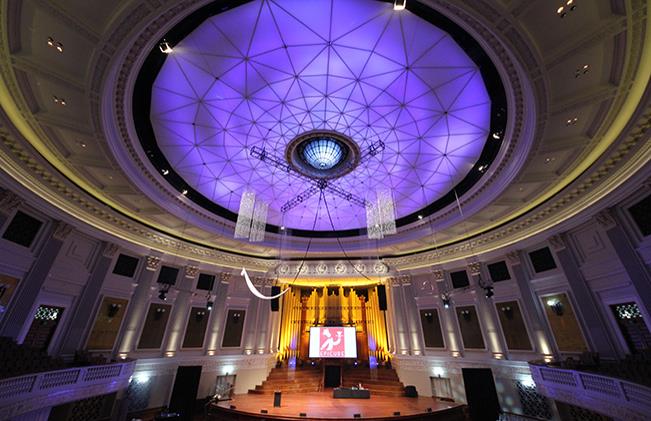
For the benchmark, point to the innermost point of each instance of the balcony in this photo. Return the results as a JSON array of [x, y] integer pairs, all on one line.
[[616, 398], [23, 394]]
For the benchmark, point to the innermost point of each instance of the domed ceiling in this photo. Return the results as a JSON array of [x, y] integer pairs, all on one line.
[[263, 74], [529, 117]]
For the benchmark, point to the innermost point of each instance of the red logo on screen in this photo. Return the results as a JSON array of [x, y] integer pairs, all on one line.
[[332, 342]]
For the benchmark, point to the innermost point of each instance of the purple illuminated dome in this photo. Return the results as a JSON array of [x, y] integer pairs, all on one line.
[[267, 72]]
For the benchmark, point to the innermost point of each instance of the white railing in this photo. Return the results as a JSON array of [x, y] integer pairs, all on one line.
[[19, 395], [610, 396]]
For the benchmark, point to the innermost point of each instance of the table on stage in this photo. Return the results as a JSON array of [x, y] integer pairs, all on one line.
[[350, 393]]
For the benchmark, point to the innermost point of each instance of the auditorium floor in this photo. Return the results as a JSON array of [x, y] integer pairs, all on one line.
[[322, 405]]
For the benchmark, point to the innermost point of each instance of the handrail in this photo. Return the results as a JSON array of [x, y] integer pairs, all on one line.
[[610, 396], [22, 394]]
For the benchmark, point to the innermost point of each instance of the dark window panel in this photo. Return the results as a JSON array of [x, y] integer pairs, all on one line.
[[22, 229], [126, 265], [542, 260], [168, 275], [459, 279], [205, 282], [641, 213], [499, 271]]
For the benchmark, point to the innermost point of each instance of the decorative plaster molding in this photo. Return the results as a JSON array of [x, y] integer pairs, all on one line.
[[61, 231], [513, 257], [557, 242], [190, 271], [9, 201], [438, 275], [152, 263], [474, 268], [110, 250], [605, 219]]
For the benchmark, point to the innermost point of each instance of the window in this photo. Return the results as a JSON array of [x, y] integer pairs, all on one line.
[[641, 213], [168, 275], [459, 279], [542, 260], [205, 282], [125, 265], [22, 229], [499, 271]]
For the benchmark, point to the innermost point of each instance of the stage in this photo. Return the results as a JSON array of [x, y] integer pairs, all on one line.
[[322, 406]]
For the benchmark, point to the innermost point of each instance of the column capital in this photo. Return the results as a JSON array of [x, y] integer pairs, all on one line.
[[110, 250], [513, 257], [438, 275], [557, 242], [9, 201], [224, 277], [474, 268], [152, 263], [605, 219], [190, 271], [61, 230]]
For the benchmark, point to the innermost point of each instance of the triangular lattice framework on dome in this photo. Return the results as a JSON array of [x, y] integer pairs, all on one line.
[[267, 71]]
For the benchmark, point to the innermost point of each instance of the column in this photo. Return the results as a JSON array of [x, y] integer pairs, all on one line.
[[448, 317], [532, 309], [635, 268], [19, 312], [138, 306], [592, 320], [248, 337], [413, 318], [82, 320], [486, 311], [216, 323], [264, 310], [274, 326], [397, 304], [180, 311]]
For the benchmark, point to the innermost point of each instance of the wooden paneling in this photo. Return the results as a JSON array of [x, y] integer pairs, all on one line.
[[107, 323], [233, 329], [196, 327], [155, 324], [470, 328], [564, 324], [429, 320], [515, 331], [7, 288]]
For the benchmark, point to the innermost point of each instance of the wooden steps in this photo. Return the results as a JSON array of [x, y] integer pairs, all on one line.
[[296, 380], [381, 381]]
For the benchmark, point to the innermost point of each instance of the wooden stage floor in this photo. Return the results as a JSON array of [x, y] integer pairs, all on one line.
[[322, 406]]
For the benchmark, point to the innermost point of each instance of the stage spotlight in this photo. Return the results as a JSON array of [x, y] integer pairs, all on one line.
[[165, 47], [446, 301], [399, 4], [209, 305], [162, 294], [489, 292]]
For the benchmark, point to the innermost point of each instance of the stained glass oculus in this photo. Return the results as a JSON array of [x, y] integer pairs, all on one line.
[[323, 153]]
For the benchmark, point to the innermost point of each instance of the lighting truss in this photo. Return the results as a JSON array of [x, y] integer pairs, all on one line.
[[317, 183]]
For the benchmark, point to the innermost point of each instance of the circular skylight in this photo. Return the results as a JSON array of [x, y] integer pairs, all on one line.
[[268, 71], [322, 153]]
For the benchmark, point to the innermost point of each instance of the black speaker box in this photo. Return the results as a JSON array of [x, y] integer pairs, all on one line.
[[275, 303], [382, 297]]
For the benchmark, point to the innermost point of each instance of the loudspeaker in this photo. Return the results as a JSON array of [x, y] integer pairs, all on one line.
[[275, 304], [277, 396], [382, 297], [410, 392]]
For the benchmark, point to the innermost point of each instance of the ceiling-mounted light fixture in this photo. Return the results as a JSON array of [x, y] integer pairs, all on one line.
[[165, 47], [446, 300], [399, 4]]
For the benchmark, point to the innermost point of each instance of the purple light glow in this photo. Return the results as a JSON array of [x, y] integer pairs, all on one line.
[[267, 71]]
